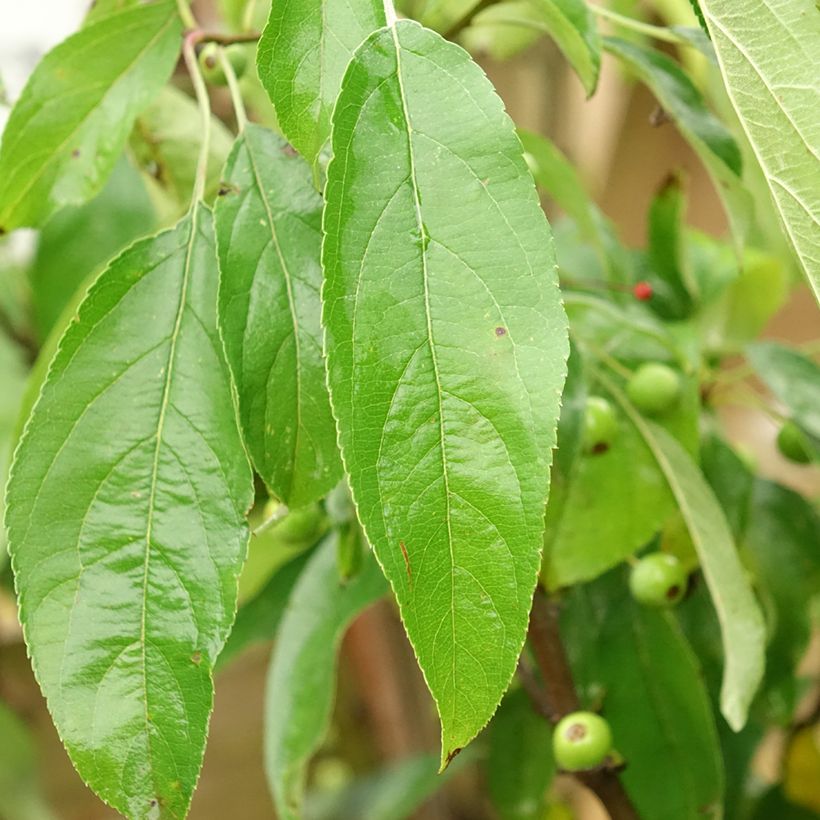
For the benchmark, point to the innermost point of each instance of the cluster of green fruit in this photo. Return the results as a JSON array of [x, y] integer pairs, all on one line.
[[654, 389]]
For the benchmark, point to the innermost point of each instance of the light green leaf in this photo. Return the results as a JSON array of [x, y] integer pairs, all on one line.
[[770, 61], [447, 347], [741, 621], [634, 663], [520, 765], [166, 143], [70, 125], [301, 679], [302, 57], [125, 514], [571, 25], [102, 8], [269, 235], [76, 241], [709, 138], [793, 378]]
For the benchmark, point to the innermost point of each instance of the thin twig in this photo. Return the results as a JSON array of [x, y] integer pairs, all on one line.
[[560, 698], [236, 93], [657, 32], [467, 19], [230, 39]]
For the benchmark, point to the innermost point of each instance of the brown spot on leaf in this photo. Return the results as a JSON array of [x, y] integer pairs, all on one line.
[[452, 755], [196, 658], [75, 153], [599, 448], [659, 117], [289, 150], [501, 331]]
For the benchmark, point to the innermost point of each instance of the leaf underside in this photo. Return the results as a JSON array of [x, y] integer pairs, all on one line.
[[446, 345], [126, 522]]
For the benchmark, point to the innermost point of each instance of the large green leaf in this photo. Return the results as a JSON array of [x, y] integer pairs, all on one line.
[[653, 697], [269, 235], [768, 56], [741, 621], [71, 122], [126, 522], [302, 57], [447, 347], [75, 241], [301, 680], [710, 139], [793, 378]]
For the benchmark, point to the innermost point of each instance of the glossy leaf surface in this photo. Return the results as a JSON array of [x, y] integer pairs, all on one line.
[[637, 661], [446, 346], [126, 522], [741, 621], [684, 104], [301, 680], [302, 57], [768, 56], [269, 235], [70, 124]]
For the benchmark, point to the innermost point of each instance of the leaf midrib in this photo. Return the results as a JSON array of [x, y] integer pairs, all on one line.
[[430, 337]]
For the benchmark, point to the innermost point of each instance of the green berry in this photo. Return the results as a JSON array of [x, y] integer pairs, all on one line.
[[654, 388], [581, 740], [600, 425], [793, 443], [302, 525], [659, 579], [211, 64]]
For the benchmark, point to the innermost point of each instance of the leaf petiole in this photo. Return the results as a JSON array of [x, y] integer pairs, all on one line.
[[189, 51]]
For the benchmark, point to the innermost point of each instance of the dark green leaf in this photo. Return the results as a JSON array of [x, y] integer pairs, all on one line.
[[76, 241], [635, 661], [301, 679], [520, 765], [793, 378], [70, 124], [774, 805], [447, 349], [302, 57], [730, 480], [269, 235], [125, 514], [710, 139]]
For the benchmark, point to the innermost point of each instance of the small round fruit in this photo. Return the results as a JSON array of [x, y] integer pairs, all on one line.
[[581, 740], [211, 64], [654, 388], [600, 425], [793, 444], [658, 579], [642, 291]]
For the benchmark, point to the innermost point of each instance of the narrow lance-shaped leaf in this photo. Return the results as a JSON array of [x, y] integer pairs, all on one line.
[[302, 57], [768, 56], [709, 138], [126, 522], [741, 621], [269, 234], [447, 348], [301, 680], [69, 126]]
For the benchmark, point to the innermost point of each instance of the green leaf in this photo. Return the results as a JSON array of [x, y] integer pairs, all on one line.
[[301, 679], [709, 138], [447, 347], [302, 57], [269, 235], [102, 8], [125, 514], [741, 622], [70, 125], [768, 59], [639, 663], [613, 502], [259, 619], [572, 26], [730, 480], [76, 241], [520, 766], [166, 143], [793, 378]]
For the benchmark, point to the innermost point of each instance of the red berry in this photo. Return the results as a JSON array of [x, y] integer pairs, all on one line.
[[642, 291]]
